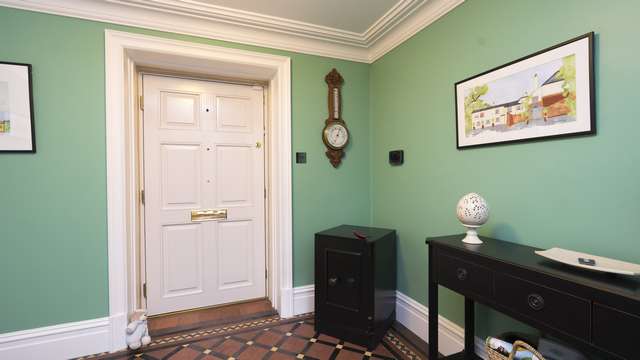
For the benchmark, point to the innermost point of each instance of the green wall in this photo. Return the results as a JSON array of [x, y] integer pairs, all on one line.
[[576, 193], [53, 242]]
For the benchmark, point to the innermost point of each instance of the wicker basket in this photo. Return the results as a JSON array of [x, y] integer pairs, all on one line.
[[495, 355]]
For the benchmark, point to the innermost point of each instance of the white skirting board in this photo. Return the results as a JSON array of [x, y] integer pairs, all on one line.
[[303, 299], [87, 337], [62, 341], [409, 313]]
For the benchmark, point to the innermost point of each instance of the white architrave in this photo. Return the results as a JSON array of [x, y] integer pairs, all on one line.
[[123, 53]]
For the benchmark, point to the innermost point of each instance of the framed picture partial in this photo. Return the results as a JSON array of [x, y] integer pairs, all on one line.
[[17, 133]]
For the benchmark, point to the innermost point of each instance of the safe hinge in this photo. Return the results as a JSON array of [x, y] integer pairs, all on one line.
[[265, 193], [142, 196], [144, 290], [141, 102]]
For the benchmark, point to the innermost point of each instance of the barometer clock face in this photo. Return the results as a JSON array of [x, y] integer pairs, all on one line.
[[336, 135]]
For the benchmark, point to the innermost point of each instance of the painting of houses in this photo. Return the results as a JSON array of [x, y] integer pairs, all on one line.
[[543, 95], [539, 104], [502, 116]]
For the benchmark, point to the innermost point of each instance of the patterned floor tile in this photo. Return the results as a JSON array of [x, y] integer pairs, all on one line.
[[294, 344], [253, 352], [229, 347], [266, 339], [305, 330], [269, 338], [349, 355], [320, 351], [186, 354], [281, 356]]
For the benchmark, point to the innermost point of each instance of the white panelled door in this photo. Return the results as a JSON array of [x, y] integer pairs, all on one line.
[[204, 193]]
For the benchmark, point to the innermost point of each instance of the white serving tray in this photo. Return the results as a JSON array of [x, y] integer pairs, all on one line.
[[602, 263]]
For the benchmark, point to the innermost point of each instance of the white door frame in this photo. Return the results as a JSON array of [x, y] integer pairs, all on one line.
[[124, 52]]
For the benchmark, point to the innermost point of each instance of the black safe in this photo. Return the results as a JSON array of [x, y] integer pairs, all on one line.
[[355, 283]]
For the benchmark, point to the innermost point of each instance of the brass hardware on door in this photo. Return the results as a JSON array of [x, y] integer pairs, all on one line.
[[258, 145], [208, 214]]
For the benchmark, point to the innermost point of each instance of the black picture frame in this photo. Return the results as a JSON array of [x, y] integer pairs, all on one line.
[[590, 36], [31, 110]]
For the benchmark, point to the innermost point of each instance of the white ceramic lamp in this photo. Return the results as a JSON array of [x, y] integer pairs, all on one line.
[[472, 212]]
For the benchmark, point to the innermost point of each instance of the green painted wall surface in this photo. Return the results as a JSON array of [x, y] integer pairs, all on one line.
[[576, 193], [53, 245]]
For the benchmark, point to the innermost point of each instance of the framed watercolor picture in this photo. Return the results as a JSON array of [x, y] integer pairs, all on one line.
[[17, 133], [543, 95]]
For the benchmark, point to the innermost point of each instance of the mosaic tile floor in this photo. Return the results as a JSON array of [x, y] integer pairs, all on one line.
[[267, 338]]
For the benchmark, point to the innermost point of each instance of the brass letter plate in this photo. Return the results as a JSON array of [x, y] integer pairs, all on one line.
[[208, 214]]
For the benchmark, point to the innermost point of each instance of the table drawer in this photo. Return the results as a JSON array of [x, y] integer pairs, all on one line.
[[464, 277], [616, 331], [544, 305]]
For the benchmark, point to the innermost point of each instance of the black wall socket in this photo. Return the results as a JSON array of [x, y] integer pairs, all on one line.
[[301, 158], [396, 157]]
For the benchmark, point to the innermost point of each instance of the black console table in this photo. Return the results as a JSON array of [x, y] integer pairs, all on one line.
[[597, 313]]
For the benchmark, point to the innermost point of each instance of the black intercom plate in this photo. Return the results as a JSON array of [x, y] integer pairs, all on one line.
[[396, 157]]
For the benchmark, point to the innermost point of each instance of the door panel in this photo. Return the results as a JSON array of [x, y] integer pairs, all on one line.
[[181, 175], [200, 154], [179, 110], [234, 254], [182, 259], [234, 174], [234, 114]]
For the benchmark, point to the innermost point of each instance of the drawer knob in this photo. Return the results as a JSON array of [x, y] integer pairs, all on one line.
[[536, 302], [333, 281], [462, 274]]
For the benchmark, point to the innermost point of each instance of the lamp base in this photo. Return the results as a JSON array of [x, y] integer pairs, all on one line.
[[472, 236]]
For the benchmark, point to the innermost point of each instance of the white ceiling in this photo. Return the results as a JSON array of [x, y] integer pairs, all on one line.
[[350, 15]]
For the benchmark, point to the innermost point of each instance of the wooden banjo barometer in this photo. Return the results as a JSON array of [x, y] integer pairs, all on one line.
[[335, 134]]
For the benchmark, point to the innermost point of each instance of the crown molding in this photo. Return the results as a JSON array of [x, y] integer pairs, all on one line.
[[116, 13], [391, 18], [192, 17], [411, 25], [228, 15]]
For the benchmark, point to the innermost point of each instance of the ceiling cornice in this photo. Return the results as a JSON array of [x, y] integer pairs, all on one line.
[[228, 15], [391, 18], [410, 25], [192, 17]]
